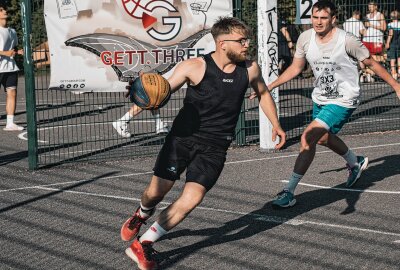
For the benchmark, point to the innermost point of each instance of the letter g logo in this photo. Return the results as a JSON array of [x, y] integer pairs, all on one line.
[[142, 10]]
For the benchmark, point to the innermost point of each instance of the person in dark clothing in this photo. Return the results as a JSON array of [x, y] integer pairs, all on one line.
[[393, 44], [200, 134], [285, 46]]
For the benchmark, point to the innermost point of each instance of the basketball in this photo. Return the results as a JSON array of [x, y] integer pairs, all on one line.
[[150, 91]]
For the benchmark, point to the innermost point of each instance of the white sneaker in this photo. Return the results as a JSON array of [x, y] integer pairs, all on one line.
[[122, 128], [162, 129], [13, 127]]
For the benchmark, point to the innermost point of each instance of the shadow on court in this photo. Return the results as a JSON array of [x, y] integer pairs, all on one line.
[[378, 170], [267, 218]]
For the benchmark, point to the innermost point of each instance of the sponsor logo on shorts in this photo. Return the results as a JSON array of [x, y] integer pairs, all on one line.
[[171, 169]]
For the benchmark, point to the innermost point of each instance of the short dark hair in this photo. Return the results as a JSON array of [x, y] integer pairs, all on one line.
[[3, 5], [227, 25], [325, 4], [356, 12]]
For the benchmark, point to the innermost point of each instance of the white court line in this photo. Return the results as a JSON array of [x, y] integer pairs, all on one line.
[[346, 189], [228, 163], [266, 218], [374, 120], [77, 181], [320, 152]]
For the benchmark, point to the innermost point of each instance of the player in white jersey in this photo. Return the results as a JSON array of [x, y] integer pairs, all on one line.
[[332, 53]]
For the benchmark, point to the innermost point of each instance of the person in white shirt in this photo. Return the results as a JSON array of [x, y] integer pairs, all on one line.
[[354, 25], [376, 25], [373, 38], [8, 68], [332, 54]]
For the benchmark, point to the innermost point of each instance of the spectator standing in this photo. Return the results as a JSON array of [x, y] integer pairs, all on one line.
[[354, 25], [8, 68], [376, 25], [285, 45], [373, 38], [393, 44]]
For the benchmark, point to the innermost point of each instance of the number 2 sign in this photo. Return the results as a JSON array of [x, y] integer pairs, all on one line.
[[303, 11]]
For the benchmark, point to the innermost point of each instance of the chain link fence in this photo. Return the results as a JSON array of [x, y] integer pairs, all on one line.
[[68, 126]]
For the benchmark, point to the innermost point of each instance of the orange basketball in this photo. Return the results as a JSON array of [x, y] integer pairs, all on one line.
[[150, 91]]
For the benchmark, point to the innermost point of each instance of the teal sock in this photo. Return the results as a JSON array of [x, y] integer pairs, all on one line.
[[293, 181]]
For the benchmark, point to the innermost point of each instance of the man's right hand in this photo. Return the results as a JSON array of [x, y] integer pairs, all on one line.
[[130, 82], [128, 88]]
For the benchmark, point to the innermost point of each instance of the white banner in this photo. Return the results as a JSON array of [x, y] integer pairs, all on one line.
[[268, 60], [304, 10], [98, 45]]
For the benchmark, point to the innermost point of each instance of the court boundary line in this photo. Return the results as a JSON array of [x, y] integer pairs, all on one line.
[[266, 218], [226, 163], [346, 189]]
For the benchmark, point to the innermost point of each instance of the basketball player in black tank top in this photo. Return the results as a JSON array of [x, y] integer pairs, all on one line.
[[201, 133]]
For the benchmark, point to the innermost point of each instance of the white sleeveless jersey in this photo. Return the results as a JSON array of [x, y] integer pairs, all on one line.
[[372, 34], [336, 74]]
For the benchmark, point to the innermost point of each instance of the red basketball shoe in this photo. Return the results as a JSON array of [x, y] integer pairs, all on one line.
[[131, 227], [143, 254]]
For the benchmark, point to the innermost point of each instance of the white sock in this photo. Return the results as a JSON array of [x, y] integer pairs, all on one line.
[[10, 120], [154, 233], [350, 158], [127, 117], [145, 212], [293, 181]]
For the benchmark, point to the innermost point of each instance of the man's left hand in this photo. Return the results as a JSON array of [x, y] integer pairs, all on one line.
[[278, 131]]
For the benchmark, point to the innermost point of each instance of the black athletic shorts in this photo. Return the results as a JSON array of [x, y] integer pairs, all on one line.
[[203, 163], [9, 80]]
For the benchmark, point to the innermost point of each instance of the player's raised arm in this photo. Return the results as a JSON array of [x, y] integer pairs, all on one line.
[[291, 72]]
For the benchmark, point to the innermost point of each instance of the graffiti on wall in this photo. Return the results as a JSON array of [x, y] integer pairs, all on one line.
[[272, 43]]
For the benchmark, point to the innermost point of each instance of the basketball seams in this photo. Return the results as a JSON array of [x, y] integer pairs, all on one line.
[[145, 92], [150, 91], [159, 92]]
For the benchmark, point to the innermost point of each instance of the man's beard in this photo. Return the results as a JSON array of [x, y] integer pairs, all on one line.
[[235, 57]]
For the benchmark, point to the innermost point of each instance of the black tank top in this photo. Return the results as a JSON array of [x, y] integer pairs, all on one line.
[[212, 107]]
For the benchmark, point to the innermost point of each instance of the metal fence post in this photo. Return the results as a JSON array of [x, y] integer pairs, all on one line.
[[26, 12], [240, 131]]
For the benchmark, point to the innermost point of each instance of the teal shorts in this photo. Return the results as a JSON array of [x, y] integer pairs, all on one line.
[[331, 116]]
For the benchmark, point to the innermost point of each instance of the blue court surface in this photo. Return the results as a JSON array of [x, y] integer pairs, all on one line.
[[69, 216]]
